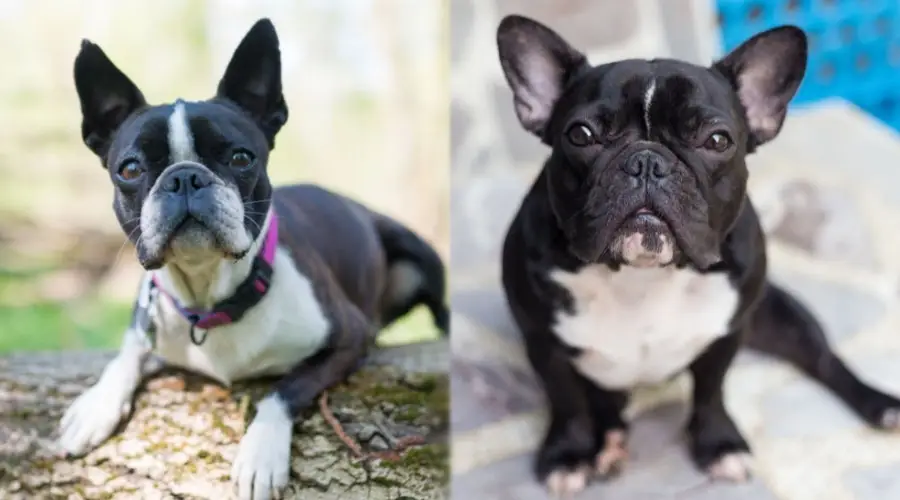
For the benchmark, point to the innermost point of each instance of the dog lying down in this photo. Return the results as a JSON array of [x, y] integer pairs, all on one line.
[[242, 279]]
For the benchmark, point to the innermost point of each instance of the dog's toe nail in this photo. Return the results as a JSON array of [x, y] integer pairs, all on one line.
[[890, 419], [735, 467], [612, 457]]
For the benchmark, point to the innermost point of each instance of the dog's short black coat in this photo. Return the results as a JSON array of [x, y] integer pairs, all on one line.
[[636, 137]]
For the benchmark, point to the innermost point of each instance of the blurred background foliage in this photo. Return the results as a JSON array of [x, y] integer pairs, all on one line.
[[365, 81]]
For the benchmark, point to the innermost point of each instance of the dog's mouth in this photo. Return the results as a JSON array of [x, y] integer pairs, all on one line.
[[191, 239], [190, 228], [644, 230], [645, 219], [195, 237], [647, 216], [644, 239]]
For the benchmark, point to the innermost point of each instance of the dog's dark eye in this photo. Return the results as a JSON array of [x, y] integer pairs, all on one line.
[[580, 135], [718, 142], [241, 159], [130, 170]]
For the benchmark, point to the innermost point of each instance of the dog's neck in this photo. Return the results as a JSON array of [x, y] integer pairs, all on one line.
[[202, 282]]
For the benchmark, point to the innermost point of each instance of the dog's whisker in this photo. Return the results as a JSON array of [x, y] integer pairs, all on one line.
[[254, 223], [124, 244], [248, 203]]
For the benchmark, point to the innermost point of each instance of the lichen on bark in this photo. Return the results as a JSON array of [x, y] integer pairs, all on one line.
[[184, 431]]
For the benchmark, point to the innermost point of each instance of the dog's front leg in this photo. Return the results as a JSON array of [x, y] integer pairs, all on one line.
[[716, 444], [94, 415], [586, 432], [262, 465]]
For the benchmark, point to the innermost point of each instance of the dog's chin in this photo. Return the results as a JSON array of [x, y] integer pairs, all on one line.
[[644, 240], [193, 243]]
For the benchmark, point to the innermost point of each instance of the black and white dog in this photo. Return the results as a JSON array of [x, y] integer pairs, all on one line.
[[637, 255], [242, 280]]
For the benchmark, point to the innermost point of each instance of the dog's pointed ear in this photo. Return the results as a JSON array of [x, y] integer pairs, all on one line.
[[253, 79], [537, 64], [107, 97], [766, 72]]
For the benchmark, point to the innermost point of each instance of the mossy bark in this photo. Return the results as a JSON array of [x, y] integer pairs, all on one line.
[[184, 432]]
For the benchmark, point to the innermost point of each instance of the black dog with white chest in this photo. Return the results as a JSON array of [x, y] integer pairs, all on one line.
[[637, 255], [243, 279]]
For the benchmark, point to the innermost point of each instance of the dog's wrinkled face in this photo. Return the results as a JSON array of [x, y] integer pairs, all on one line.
[[647, 167], [190, 177]]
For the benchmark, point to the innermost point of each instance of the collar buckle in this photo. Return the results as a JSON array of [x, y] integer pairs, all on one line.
[[197, 341]]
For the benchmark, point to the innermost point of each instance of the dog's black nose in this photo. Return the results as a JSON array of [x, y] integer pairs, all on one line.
[[186, 179], [647, 163]]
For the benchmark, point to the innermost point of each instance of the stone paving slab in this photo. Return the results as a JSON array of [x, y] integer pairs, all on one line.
[[660, 469]]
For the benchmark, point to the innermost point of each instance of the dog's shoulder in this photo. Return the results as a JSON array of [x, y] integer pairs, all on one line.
[[333, 241]]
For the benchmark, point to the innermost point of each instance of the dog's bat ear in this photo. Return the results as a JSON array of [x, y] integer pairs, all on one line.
[[253, 79], [537, 64], [766, 72], [107, 97]]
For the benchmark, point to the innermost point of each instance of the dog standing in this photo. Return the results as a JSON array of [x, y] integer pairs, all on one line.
[[637, 255], [242, 280]]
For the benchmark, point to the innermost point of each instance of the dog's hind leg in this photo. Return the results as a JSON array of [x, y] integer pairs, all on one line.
[[784, 328], [415, 275]]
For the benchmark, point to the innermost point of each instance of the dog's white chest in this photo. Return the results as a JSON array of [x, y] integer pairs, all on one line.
[[641, 326], [284, 328]]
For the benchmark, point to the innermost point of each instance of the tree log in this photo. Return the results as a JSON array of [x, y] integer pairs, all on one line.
[[184, 430]]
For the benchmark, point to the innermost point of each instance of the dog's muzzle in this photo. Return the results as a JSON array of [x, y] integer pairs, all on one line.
[[187, 199], [191, 213], [645, 238]]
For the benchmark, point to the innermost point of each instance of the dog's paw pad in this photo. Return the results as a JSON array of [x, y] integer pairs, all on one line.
[[614, 454], [735, 467], [890, 419], [566, 483]]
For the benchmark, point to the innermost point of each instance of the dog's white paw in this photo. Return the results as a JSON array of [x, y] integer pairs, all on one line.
[[565, 484], [734, 467], [93, 416], [261, 468]]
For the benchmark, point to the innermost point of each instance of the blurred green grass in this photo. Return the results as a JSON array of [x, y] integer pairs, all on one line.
[[99, 323]]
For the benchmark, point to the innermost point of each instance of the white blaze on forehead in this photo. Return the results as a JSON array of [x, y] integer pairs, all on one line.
[[648, 100], [181, 141]]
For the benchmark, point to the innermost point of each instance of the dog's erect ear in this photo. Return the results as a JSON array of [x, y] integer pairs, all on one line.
[[537, 63], [766, 71], [107, 97], [253, 79]]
